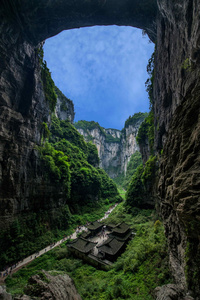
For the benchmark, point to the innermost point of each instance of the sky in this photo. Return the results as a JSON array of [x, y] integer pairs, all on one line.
[[102, 69]]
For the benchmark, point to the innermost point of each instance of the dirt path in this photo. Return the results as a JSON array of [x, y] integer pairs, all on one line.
[[27, 260]]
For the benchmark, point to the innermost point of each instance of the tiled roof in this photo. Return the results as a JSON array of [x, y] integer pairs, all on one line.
[[111, 246], [94, 225], [121, 228], [125, 236], [82, 245], [85, 234]]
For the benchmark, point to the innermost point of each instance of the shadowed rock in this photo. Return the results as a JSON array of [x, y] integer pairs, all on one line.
[[40, 20]]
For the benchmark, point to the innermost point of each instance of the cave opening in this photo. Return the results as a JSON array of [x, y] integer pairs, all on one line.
[[102, 69]]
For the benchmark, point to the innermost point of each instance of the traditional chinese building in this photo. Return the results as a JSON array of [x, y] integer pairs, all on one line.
[[97, 253], [121, 232], [81, 247], [111, 249], [95, 227]]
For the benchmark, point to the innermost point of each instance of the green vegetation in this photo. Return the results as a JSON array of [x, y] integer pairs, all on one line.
[[92, 157], [47, 81], [38, 230], [111, 139], [122, 192], [87, 182], [187, 64], [46, 131], [135, 274], [69, 165], [133, 120], [108, 187], [56, 166], [88, 126], [135, 161], [134, 195], [149, 169], [140, 183], [146, 130], [63, 100], [192, 270], [49, 87]]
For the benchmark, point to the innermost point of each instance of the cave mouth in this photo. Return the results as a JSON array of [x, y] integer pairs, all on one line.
[[102, 69]]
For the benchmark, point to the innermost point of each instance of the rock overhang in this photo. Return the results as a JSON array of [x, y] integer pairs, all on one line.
[[40, 20]]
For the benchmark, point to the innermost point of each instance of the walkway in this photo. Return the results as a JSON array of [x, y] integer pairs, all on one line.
[[99, 239], [20, 264]]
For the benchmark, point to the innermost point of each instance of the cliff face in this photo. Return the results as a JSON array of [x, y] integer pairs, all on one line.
[[177, 111], [23, 112], [64, 107], [115, 147], [128, 144], [45, 286], [23, 109], [175, 25], [108, 151]]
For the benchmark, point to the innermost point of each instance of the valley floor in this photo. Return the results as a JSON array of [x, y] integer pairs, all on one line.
[[30, 258], [142, 267]]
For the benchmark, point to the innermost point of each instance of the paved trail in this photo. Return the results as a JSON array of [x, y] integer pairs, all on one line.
[[25, 261]]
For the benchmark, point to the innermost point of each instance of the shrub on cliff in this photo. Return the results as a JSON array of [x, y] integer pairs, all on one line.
[[135, 161], [146, 130], [108, 187], [92, 157], [85, 125], [49, 86], [134, 194], [133, 120], [56, 166], [141, 182], [47, 81]]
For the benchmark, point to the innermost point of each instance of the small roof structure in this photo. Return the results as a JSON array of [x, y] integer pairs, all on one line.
[[110, 226], [111, 246], [121, 228], [85, 234], [123, 237], [93, 226], [82, 245]]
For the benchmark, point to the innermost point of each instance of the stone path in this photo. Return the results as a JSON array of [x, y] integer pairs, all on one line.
[[20, 264], [99, 239]]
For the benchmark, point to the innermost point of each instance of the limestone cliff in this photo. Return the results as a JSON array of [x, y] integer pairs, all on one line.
[[45, 286], [64, 107], [177, 110], [115, 147]]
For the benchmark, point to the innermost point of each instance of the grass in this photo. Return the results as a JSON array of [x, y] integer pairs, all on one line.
[[135, 274], [122, 192]]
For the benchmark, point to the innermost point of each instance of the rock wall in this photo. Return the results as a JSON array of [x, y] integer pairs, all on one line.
[[45, 287], [177, 115], [108, 151], [129, 144], [23, 109], [115, 147], [64, 107]]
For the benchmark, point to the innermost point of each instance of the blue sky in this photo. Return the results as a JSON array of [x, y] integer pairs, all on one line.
[[103, 70]]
